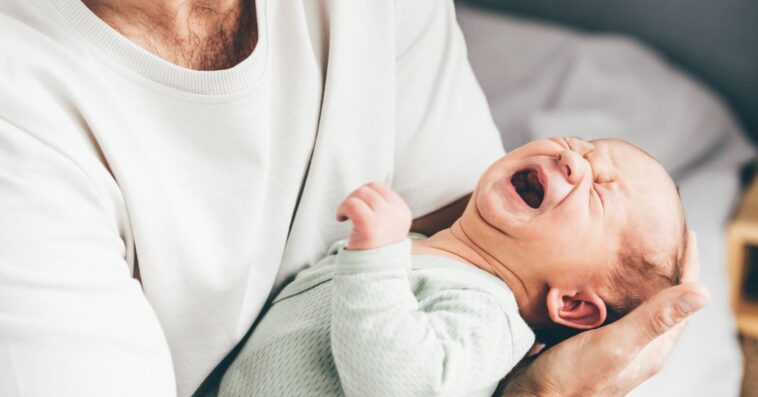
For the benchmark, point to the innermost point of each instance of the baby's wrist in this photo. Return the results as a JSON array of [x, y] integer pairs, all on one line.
[[387, 257], [362, 245]]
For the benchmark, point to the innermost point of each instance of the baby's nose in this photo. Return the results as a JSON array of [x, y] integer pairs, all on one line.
[[572, 165]]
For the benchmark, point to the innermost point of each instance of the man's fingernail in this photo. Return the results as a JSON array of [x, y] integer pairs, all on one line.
[[691, 302]]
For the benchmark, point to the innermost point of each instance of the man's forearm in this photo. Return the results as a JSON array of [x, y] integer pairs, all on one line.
[[440, 219]]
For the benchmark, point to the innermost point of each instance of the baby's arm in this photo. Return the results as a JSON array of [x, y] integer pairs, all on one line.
[[384, 341]]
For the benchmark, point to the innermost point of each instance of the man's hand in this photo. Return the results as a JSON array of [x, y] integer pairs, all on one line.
[[379, 216], [613, 360]]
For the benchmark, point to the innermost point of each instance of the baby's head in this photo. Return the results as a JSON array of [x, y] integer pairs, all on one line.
[[588, 229]]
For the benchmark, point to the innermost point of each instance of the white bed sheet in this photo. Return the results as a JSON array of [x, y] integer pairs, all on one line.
[[542, 80]]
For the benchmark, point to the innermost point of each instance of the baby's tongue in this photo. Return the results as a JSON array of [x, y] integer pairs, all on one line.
[[533, 199], [529, 187]]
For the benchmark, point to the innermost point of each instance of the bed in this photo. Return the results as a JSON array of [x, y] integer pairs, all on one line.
[[543, 80]]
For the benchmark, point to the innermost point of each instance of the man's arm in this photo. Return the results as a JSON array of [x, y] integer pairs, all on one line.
[[440, 219], [72, 319]]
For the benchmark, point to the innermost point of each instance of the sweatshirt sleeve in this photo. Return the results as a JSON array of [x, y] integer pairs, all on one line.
[[445, 135], [73, 321], [385, 342]]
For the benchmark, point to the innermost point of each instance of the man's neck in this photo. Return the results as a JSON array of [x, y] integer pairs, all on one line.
[[455, 243], [197, 34]]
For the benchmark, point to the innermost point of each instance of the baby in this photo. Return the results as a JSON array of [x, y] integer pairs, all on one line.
[[559, 236]]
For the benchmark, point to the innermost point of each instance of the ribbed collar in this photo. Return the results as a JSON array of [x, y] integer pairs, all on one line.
[[129, 55]]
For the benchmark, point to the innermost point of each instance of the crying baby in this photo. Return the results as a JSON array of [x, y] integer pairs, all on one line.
[[559, 236]]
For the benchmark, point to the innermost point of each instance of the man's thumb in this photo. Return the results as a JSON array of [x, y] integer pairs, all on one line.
[[669, 307], [691, 302]]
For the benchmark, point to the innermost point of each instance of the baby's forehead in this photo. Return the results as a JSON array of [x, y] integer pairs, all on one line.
[[636, 166], [624, 150], [650, 194]]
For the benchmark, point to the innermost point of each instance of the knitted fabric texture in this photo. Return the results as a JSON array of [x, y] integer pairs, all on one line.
[[383, 323]]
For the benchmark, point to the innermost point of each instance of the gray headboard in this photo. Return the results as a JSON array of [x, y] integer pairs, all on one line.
[[715, 40]]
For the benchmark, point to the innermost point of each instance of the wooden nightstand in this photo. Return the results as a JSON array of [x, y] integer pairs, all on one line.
[[742, 251]]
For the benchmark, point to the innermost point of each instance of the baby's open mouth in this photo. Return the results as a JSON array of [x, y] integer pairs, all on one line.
[[529, 188]]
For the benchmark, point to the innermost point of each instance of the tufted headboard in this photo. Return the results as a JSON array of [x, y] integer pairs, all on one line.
[[715, 41]]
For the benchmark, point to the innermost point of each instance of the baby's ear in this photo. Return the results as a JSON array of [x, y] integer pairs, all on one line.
[[575, 309]]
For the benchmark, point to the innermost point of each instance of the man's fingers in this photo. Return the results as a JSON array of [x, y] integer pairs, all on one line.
[[691, 270], [651, 358], [659, 314], [650, 331]]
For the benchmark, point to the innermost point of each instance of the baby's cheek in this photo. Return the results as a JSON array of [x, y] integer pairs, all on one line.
[[568, 225], [564, 235]]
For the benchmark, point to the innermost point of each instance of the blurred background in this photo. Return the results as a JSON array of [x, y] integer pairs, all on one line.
[[678, 78]]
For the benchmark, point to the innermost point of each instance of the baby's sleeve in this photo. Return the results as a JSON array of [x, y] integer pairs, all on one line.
[[385, 342]]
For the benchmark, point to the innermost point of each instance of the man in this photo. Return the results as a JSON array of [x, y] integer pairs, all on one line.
[[165, 165]]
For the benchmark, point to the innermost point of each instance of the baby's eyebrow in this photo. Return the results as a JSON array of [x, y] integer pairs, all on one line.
[[563, 141]]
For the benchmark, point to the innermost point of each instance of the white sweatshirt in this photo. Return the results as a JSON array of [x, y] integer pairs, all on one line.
[[219, 185]]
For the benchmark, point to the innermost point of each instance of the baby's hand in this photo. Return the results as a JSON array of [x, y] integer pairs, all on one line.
[[380, 217]]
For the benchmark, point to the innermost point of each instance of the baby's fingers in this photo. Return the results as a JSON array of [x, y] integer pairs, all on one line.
[[353, 208], [394, 199], [387, 192], [370, 196]]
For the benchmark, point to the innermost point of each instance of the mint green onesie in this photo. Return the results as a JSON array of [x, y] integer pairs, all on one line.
[[383, 323]]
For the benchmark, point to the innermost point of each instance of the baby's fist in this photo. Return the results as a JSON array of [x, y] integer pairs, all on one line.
[[379, 215]]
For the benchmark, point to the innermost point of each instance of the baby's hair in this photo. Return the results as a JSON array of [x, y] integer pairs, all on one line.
[[633, 270]]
